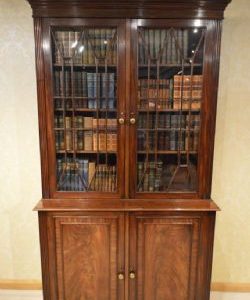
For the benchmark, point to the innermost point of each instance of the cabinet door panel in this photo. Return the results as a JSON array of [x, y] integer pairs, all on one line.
[[89, 256], [85, 68], [170, 107], [166, 257]]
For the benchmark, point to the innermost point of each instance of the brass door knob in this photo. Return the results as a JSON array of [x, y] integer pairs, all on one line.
[[132, 121], [121, 121], [121, 276], [132, 275]]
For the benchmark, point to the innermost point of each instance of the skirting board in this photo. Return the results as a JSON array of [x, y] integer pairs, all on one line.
[[37, 285], [37, 295]]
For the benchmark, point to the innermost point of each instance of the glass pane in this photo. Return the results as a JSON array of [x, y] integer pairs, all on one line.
[[170, 80], [85, 108]]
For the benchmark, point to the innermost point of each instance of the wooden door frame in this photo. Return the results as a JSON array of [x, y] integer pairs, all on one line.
[[49, 247], [204, 222], [45, 96], [208, 110]]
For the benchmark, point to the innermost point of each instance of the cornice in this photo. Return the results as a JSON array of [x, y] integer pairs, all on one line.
[[130, 8]]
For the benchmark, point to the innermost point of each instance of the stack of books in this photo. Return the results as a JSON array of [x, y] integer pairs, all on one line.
[[84, 48], [167, 93], [105, 142], [189, 89], [149, 176], [83, 175]]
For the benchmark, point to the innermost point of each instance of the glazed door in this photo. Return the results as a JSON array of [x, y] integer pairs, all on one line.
[[85, 71], [164, 253], [171, 112], [89, 257]]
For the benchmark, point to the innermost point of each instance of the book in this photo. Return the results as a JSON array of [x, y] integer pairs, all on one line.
[[187, 91], [72, 46], [149, 176], [91, 174], [88, 140], [88, 122]]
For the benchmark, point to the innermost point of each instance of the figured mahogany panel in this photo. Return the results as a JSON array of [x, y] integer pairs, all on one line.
[[167, 256], [87, 257]]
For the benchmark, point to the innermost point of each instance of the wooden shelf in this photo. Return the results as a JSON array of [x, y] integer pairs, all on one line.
[[170, 65], [86, 110], [168, 129], [84, 65], [167, 152], [82, 97], [85, 152], [86, 129], [167, 110]]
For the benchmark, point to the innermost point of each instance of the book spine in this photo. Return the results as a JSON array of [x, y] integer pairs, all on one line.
[[91, 90]]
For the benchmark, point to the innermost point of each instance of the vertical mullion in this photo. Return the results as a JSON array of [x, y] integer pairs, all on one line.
[[157, 114]]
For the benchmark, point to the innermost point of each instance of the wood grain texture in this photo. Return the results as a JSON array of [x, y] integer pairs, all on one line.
[[126, 205], [38, 32], [87, 239], [11, 284], [167, 253], [209, 106], [87, 257], [130, 9], [82, 253]]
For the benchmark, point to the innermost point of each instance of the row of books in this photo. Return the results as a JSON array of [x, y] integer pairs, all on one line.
[[85, 47], [89, 85], [85, 175], [149, 176], [85, 141], [171, 46], [156, 176], [79, 103], [171, 93], [168, 121], [80, 122], [168, 141]]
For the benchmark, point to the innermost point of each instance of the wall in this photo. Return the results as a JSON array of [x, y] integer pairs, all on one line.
[[231, 179], [20, 187]]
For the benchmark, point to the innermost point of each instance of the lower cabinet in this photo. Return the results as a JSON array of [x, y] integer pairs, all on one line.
[[126, 255]]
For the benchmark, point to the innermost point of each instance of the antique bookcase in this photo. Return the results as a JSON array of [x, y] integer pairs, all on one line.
[[127, 94]]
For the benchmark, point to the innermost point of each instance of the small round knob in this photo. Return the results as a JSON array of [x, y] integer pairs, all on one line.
[[120, 276], [132, 121], [132, 275], [121, 121]]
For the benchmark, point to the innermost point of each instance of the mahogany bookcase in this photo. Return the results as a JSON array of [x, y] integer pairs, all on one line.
[[127, 94]]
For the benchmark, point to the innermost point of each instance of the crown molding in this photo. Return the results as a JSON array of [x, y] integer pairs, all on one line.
[[203, 9]]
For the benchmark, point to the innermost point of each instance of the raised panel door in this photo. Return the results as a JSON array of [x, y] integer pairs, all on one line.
[[164, 257], [89, 257]]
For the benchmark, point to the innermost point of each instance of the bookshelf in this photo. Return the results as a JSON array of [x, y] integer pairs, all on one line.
[[169, 85], [127, 106], [85, 123]]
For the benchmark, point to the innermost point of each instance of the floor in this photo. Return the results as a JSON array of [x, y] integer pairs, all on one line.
[[37, 295]]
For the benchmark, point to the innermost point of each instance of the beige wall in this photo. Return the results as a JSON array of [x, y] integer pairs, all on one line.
[[20, 186], [231, 176]]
